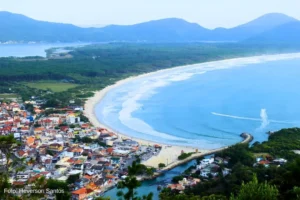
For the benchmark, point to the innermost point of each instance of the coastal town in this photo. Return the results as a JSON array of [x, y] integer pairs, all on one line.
[[149, 100], [61, 144]]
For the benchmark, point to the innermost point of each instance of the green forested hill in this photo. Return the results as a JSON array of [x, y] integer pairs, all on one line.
[[99, 63]]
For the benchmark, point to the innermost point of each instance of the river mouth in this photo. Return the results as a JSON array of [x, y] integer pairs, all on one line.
[[207, 105]]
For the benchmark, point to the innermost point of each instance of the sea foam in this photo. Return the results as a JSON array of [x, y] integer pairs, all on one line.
[[142, 88]]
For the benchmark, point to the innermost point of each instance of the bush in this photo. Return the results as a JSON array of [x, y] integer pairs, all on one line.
[[73, 178], [184, 156], [161, 165], [175, 179]]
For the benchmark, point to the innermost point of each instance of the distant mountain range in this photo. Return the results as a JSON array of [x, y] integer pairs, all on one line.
[[270, 28]]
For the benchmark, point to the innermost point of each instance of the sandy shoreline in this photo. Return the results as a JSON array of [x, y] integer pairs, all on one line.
[[168, 154]]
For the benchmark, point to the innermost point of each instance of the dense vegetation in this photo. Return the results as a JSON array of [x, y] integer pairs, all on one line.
[[184, 156], [280, 144], [270, 182], [96, 66]]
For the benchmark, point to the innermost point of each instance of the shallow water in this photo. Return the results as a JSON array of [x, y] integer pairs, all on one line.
[[208, 105]]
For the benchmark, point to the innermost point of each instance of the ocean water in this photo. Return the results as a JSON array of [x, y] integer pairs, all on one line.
[[208, 105], [22, 50]]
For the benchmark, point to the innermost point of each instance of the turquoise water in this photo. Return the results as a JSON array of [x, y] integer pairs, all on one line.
[[208, 105], [151, 185], [22, 50]]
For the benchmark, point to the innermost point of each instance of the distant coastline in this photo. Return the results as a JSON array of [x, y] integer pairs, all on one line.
[[28, 49]]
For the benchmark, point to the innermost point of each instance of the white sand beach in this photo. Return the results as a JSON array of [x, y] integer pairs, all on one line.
[[167, 155]]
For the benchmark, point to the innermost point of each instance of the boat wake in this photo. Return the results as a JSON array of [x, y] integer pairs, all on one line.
[[264, 118]]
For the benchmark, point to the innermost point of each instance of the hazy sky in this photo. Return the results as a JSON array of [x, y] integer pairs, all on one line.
[[208, 13]]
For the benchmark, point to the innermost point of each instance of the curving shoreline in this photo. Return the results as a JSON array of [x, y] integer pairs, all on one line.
[[168, 155]]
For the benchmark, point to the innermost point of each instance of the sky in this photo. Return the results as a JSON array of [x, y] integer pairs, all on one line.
[[207, 13]]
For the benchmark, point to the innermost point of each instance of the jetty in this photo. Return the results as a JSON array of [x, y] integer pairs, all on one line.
[[247, 138]]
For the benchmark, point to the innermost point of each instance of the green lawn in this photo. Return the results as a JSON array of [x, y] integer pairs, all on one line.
[[53, 86]]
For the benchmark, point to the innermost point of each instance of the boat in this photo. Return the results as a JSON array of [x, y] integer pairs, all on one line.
[[158, 187]]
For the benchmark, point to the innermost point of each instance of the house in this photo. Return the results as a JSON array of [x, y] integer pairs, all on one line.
[[72, 119], [3, 159], [93, 187], [39, 130], [176, 187], [205, 162], [48, 164], [81, 182], [46, 174], [77, 151], [264, 162], [30, 140], [97, 168], [219, 160], [21, 154], [280, 161], [55, 147], [24, 130], [81, 194], [60, 171], [226, 171], [22, 176], [78, 167]]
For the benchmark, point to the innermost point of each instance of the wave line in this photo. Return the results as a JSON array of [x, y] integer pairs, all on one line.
[[250, 118]]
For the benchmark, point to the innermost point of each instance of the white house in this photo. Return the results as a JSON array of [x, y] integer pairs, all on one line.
[[205, 162]]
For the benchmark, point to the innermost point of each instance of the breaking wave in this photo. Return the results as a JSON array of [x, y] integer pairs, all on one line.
[[130, 94]]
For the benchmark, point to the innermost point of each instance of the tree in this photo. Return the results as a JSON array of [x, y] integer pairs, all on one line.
[[54, 184], [296, 191], [53, 103], [73, 178], [86, 139], [131, 183], [136, 169], [168, 194], [150, 171], [83, 118], [12, 165], [102, 198], [39, 184], [29, 107], [184, 156], [161, 165], [255, 190]]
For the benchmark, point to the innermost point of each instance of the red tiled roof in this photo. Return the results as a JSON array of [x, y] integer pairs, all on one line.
[[87, 176], [80, 191], [264, 162], [110, 177], [21, 152], [32, 179], [19, 183], [109, 150]]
